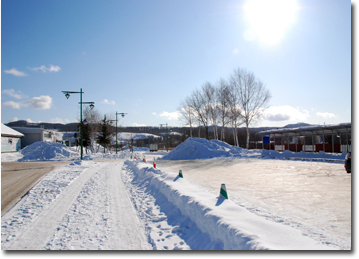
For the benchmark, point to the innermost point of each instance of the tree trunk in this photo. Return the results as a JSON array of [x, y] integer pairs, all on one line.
[[247, 144]]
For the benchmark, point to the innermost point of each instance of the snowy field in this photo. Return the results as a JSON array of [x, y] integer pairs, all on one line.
[[81, 206], [314, 197]]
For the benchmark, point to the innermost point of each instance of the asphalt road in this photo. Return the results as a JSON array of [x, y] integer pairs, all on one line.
[[18, 178]]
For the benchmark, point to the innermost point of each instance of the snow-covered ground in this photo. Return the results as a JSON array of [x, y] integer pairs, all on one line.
[[314, 197], [198, 148], [130, 205], [127, 136]]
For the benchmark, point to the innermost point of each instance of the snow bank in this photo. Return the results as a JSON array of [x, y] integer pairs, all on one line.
[[40, 151], [206, 221], [198, 148], [48, 151], [314, 156], [11, 157]]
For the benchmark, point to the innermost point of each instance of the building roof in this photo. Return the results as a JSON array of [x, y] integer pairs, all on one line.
[[27, 130], [342, 128], [9, 132]]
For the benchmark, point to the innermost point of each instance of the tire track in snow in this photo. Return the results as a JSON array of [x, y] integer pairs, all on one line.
[[93, 212], [38, 231], [129, 232]]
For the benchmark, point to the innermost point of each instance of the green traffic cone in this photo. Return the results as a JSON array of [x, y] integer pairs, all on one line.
[[223, 191]]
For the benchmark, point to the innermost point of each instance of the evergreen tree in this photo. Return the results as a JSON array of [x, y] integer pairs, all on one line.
[[105, 135], [86, 135]]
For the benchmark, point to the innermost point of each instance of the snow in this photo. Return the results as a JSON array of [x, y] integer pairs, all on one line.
[[47, 151], [127, 136], [81, 206], [7, 131], [207, 221], [198, 148]]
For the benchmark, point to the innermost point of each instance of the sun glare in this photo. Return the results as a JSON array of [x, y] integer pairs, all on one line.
[[269, 19]]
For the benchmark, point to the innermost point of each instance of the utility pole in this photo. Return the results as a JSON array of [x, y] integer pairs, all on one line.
[[166, 135], [123, 115]]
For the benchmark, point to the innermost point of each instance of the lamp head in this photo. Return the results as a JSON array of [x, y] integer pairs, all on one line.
[[92, 106], [67, 95]]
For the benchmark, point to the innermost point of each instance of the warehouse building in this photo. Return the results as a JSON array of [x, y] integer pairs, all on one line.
[[328, 138], [32, 135]]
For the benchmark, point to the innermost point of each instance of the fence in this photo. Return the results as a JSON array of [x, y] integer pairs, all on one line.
[[313, 148]]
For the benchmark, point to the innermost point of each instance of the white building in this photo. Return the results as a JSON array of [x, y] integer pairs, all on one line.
[[10, 139], [38, 134]]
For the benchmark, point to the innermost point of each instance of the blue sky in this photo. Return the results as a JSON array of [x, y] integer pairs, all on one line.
[[144, 57]]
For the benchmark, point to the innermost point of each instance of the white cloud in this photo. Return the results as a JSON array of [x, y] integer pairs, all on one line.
[[171, 115], [285, 113], [14, 94], [42, 102], [139, 125], [41, 68], [11, 104], [14, 119], [44, 69], [153, 113], [53, 68], [326, 115], [15, 72], [109, 102], [235, 51]]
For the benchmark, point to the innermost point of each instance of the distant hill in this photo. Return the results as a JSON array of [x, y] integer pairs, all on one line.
[[142, 129], [297, 125], [45, 125]]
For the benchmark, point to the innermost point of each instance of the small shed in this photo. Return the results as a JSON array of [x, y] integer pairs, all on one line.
[[10, 139]]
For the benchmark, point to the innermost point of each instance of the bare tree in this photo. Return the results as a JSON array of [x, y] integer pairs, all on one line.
[[210, 106], [253, 96], [235, 114], [93, 119], [223, 105], [198, 105], [187, 113]]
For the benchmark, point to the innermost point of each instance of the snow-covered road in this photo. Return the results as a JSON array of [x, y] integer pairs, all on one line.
[[87, 208], [127, 204], [130, 205]]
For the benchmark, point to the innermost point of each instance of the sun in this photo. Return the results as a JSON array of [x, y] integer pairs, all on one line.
[[268, 20]]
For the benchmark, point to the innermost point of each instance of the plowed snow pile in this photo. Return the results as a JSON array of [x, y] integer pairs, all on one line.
[[40, 151], [198, 148]]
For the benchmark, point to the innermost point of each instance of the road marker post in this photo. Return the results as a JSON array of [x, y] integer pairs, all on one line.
[[223, 191], [180, 174]]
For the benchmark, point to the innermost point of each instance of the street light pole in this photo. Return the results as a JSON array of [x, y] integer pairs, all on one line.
[[67, 95], [166, 136], [123, 115]]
